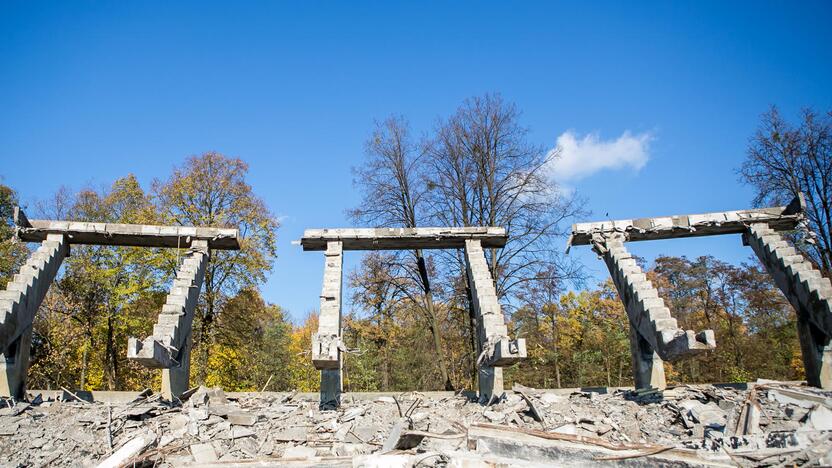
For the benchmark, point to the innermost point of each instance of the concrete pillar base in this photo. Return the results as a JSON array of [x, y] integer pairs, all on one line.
[[648, 367], [490, 380], [816, 348], [14, 366], [331, 388], [176, 380]]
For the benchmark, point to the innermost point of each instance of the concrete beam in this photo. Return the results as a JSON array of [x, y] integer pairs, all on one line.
[[326, 343], [655, 335], [169, 346], [496, 349], [808, 292], [403, 238], [781, 218], [134, 235], [18, 305]]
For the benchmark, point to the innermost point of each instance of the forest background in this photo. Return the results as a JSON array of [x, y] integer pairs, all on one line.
[[408, 320]]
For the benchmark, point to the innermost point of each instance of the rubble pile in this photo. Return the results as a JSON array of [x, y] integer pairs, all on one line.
[[762, 424]]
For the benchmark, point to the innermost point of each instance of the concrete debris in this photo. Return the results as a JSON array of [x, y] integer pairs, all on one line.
[[128, 451], [821, 418], [203, 453], [699, 425], [400, 438]]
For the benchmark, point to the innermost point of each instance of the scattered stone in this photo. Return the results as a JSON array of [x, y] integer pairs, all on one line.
[[400, 438], [300, 451], [494, 416], [710, 415], [238, 432], [291, 434], [352, 413], [549, 398], [241, 418], [821, 418], [721, 425], [203, 453]]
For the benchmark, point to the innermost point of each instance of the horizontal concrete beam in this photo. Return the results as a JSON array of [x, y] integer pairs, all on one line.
[[128, 235], [780, 218], [403, 238]]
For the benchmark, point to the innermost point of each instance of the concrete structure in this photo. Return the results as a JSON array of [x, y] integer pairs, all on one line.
[[126, 235], [497, 350], [402, 238], [808, 292], [781, 218], [168, 348], [654, 335], [18, 305], [326, 344]]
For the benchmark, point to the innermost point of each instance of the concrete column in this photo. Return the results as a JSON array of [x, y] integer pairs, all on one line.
[[176, 379], [648, 367], [326, 343], [808, 292], [497, 350], [18, 305], [654, 334], [14, 366], [169, 348]]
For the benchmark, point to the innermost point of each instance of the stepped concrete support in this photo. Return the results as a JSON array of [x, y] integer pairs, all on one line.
[[808, 292], [326, 343], [496, 349], [169, 347], [18, 305], [654, 334]]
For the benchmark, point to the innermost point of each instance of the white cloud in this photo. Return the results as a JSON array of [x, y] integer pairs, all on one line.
[[580, 157]]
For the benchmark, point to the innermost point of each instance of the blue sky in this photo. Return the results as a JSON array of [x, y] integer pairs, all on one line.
[[658, 99]]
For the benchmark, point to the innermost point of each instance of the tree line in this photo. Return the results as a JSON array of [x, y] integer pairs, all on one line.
[[409, 321]]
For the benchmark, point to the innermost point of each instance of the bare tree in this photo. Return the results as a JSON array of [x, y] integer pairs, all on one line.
[[393, 191], [477, 169], [484, 172], [784, 160]]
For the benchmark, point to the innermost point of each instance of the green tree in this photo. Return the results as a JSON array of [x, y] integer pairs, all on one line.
[[97, 291], [743, 307], [12, 253], [251, 346]]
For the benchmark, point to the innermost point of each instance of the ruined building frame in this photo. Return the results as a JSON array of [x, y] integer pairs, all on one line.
[[495, 347], [168, 348], [654, 334]]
